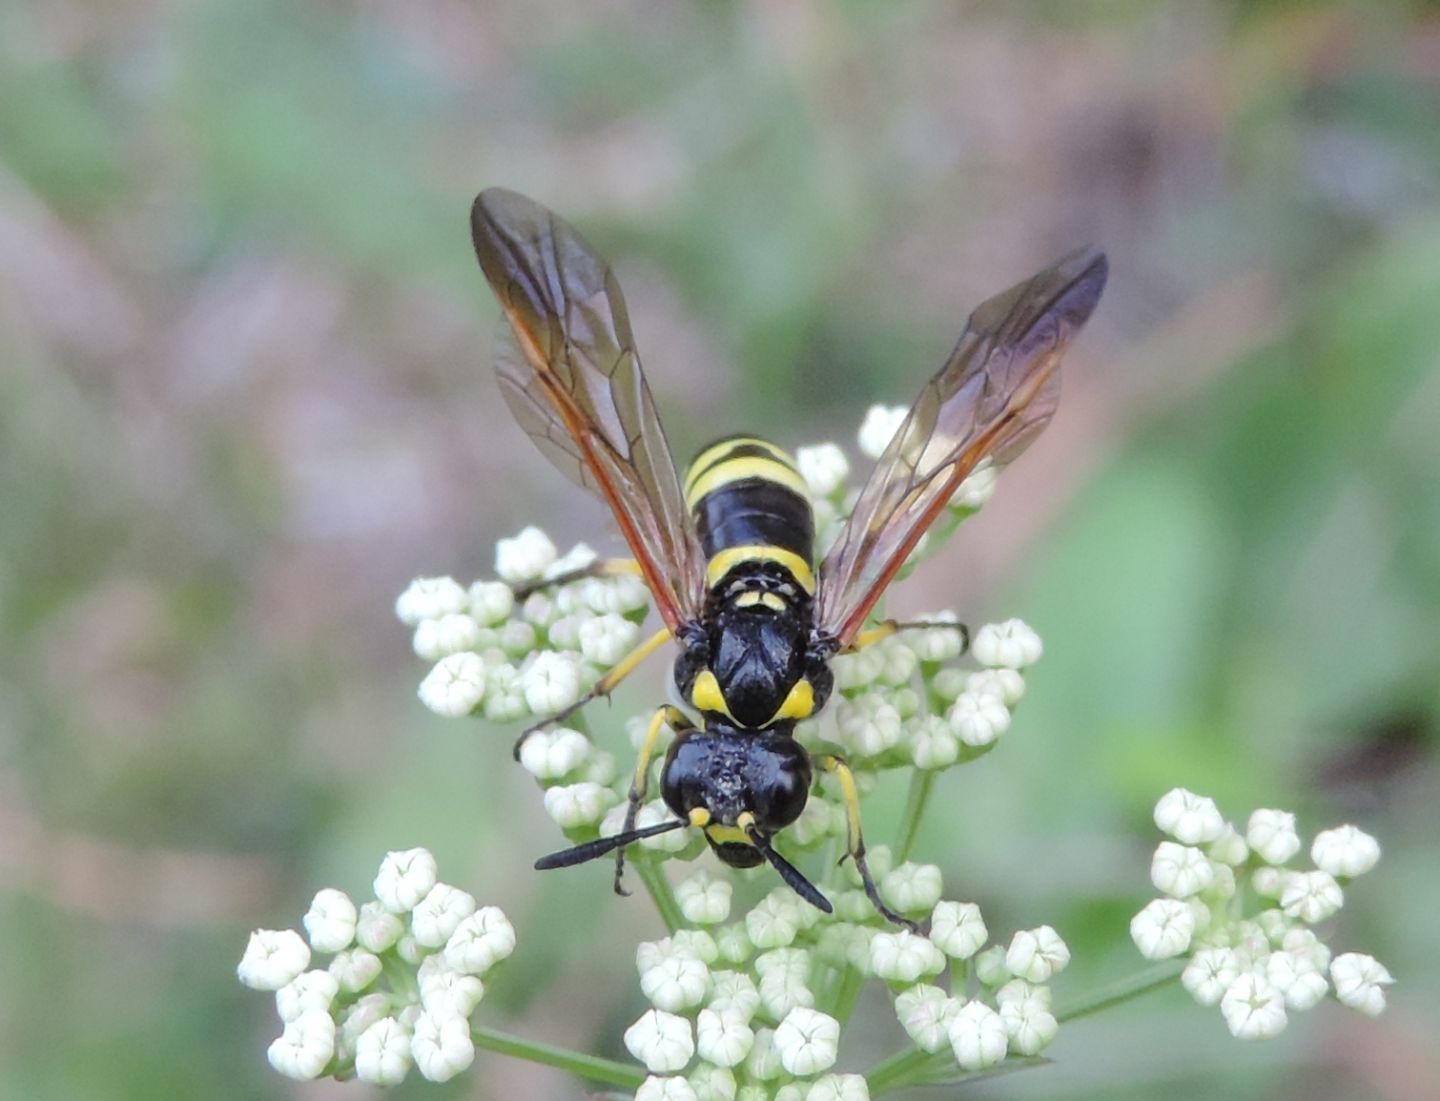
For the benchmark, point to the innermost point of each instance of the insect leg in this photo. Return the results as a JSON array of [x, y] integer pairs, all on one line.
[[854, 841], [602, 687], [601, 567], [885, 629], [664, 716]]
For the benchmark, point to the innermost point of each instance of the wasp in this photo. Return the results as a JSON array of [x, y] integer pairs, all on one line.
[[728, 553]]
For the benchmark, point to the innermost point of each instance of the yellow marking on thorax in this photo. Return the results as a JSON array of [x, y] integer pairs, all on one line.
[[747, 466], [799, 704], [726, 560], [705, 694]]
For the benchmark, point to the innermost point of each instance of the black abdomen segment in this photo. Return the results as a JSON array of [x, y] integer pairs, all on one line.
[[745, 491]]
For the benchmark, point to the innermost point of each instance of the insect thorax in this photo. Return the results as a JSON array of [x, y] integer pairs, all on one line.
[[751, 663]]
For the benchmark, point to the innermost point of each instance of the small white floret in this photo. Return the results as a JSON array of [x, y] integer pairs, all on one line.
[[838, 1087], [662, 1041], [551, 682], [676, 983], [990, 966], [824, 468], [382, 1053], [405, 877], [808, 1041], [912, 888], [273, 958], [605, 639], [439, 914], [572, 806], [904, 957], [330, 921], [1029, 1025], [1037, 954], [491, 602], [456, 686], [1268, 882], [451, 634], [355, 969], [977, 1036], [940, 643], [783, 989], [1253, 1009], [1360, 982], [1006, 685], [958, 929], [1311, 896], [879, 427], [978, 718], [734, 993], [451, 994], [1297, 978], [665, 1088], [376, 928], [429, 598], [704, 898], [441, 1046], [775, 921], [1180, 870], [723, 1037], [1271, 833], [1012, 644], [308, 992], [525, 557], [1163, 929], [1189, 818], [868, 724], [1210, 973], [306, 1046], [933, 744], [480, 941], [1345, 851], [554, 754], [1229, 848], [925, 1012]]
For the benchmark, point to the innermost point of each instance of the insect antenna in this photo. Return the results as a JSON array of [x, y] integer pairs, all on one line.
[[790, 874], [591, 849]]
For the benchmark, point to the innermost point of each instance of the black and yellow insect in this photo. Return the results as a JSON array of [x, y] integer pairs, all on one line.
[[729, 555]]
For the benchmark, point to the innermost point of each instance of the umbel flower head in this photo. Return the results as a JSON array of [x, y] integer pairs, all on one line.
[[1245, 920], [406, 973]]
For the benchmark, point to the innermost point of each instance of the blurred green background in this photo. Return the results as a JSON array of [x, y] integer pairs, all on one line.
[[245, 395]]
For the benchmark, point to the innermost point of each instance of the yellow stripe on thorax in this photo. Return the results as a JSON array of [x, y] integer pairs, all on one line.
[[726, 560]]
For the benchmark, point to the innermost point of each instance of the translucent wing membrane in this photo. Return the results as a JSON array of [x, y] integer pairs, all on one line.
[[573, 381], [996, 392]]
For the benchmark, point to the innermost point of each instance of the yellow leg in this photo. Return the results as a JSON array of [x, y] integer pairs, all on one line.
[[602, 687], [639, 783], [601, 567], [854, 840], [884, 630]]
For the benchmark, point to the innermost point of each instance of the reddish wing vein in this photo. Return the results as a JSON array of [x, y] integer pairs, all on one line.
[[993, 396]]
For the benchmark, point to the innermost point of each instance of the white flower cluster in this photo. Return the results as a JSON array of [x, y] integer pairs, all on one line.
[[736, 1008], [1258, 965], [507, 660], [407, 971]]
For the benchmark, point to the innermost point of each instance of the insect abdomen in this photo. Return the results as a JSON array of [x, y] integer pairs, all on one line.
[[747, 493]]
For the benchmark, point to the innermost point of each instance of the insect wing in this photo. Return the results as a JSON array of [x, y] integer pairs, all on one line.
[[573, 380], [993, 396]]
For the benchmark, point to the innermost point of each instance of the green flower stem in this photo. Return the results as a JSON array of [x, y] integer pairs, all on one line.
[[653, 877], [845, 993], [921, 781], [591, 1067], [1122, 990], [903, 1069]]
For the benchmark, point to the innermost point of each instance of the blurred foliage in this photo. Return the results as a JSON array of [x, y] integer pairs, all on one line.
[[244, 397]]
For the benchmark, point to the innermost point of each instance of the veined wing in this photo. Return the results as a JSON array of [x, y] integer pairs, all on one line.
[[576, 387], [996, 392]]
